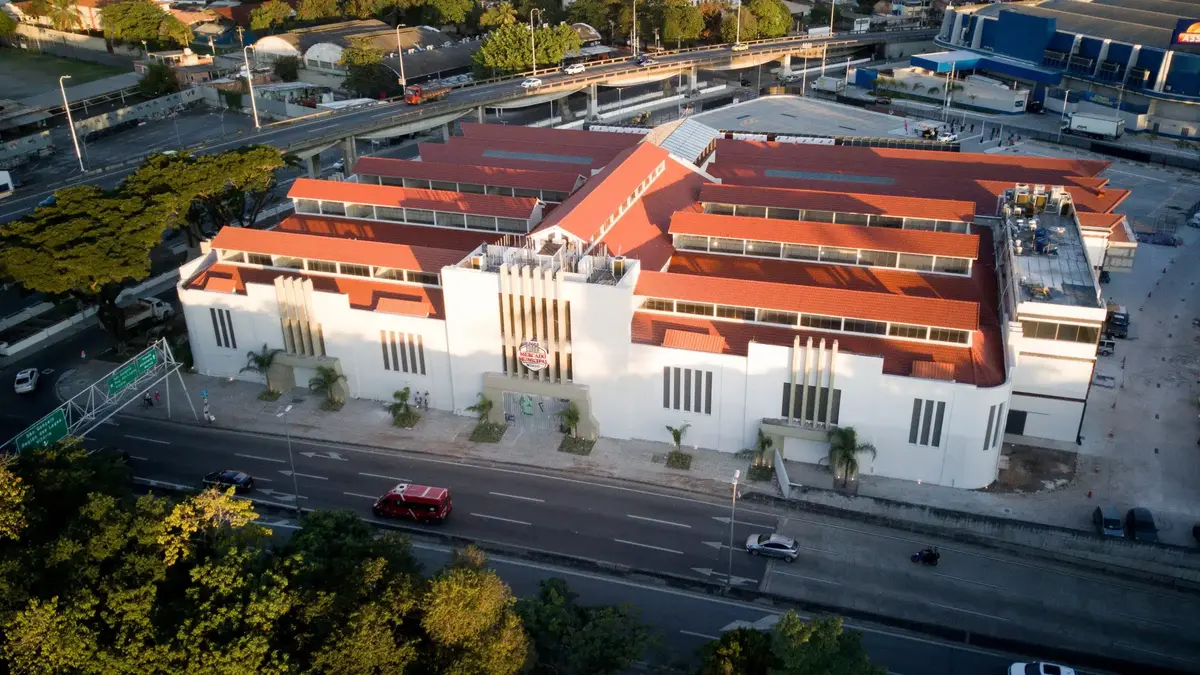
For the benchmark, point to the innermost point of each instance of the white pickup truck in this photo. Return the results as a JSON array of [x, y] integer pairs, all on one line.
[[147, 308]]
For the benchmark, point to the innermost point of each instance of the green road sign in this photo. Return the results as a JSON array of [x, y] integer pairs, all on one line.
[[132, 370], [45, 432]]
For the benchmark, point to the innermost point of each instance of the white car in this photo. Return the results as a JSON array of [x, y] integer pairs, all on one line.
[[531, 83], [26, 381], [947, 138], [1039, 668], [739, 47], [574, 69]]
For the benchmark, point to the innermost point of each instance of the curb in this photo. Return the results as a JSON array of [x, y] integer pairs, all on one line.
[[1115, 571], [763, 599]]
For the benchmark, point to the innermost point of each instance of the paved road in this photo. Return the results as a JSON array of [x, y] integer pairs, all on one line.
[[841, 564]]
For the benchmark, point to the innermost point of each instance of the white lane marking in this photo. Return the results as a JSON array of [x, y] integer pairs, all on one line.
[[968, 611], [263, 459], [506, 520], [968, 581], [283, 525], [263, 480], [140, 459], [1145, 620], [725, 519], [1147, 651], [702, 636], [656, 548], [148, 440], [528, 499], [301, 475], [814, 550], [1137, 175], [375, 475], [157, 483], [660, 522], [355, 494], [801, 576]]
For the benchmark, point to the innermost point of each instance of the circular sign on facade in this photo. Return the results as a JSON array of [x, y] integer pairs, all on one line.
[[532, 355]]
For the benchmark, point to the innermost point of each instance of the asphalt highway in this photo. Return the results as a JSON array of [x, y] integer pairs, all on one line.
[[841, 564]]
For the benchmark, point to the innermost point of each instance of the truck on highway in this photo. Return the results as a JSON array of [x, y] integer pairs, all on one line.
[[416, 94], [7, 186], [831, 85], [1117, 323], [1095, 126], [147, 309]]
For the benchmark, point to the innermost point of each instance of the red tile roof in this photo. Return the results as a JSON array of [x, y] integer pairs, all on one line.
[[558, 181], [980, 365], [364, 294], [332, 249], [520, 134], [901, 162], [412, 198], [1115, 224], [1089, 194], [826, 234], [913, 207], [427, 236], [875, 306], [641, 231], [536, 156]]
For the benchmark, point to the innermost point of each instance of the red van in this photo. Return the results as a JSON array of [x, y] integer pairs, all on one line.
[[415, 502]]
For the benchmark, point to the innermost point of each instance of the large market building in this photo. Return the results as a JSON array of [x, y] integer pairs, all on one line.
[[938, 302]]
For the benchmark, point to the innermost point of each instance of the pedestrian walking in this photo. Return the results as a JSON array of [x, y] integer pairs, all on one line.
[[157, 397], [972, 127]]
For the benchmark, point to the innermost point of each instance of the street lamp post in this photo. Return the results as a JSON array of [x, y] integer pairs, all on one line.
[[737, 34], [70, 123], [633, 29], [732, 516], [291, 459], [250, 83], [532, 40], [1062, 119], [400, 55]]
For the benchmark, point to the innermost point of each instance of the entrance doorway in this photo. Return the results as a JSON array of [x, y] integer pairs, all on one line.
[[1016, 422], [532, 412]]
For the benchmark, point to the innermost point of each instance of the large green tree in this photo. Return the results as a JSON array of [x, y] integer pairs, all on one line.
[[315, 10], [774, 18], [595, 13], [573, 639], [499, 14], [795, 647], [742, 651], [287, 68], [508, 48], [269, 15], [444, 12], [729, 24], [681, 22], [366, 75], [86, 245], [132, 20], [8, 25], [175, 31], [159, 80], [63, 14]]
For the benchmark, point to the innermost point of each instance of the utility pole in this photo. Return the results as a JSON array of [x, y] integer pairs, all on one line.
[[70, 122], [250, 83], [400, 55], [633, 29], [532, 42], [737, 35]]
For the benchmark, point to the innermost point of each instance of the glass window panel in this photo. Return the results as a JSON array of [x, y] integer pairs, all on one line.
[[389, 213], [288, 261], [818, 216], [851, 218], [322, 266], [801, 252], [906, 331], [919, 224], [694, 308], [419, 183], [772, 316], [307, 206], [861, 326], [512, 225], [848, 256], [912, 261], [450, 219], [727, 245], [766, 249], [915, 423], [355, 270], [958, 337], [888, 221], [723, 209], [691, 242], [821, 322], [481, 222], [360, 211], [443, 185], [526, 192], [951, 265], [1068, 332], [472, 188], [741, 313], [878, 258], [333, 208], [499, 190], [552, 196], [783, 214], [751, 211], [419, 216], [1088, 334], [659, 305], [258, 259]]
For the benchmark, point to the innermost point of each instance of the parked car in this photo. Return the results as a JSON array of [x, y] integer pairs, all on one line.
[[1107, 520], [739, 47], [1039, 668], [26, 382], [882, 100], [574, 69], [421, 503], [221, 480], [1139, 525], [1106, 347], [531, 83], [947, 138], [772, 545]]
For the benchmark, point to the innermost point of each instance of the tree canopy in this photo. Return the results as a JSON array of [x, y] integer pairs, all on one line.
[[135, 20], [508, 50], [270, 14], [315, 10], [159, 80], [795, 647], [499, 14], [729, 24], [8, 25], [774, 18], [287, 68], [681, 22], [366, 74]]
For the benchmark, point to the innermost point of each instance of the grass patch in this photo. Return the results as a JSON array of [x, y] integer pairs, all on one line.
[[678, 459], [761, 472], [39, 72], [576, 446], [406, 420], [332, 406], [488, 432], [269, 395]]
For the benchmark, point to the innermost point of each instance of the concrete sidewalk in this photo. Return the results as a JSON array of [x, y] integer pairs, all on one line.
[[235, 405]]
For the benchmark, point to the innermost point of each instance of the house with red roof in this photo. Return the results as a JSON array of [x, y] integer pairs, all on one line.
[[936, 302]]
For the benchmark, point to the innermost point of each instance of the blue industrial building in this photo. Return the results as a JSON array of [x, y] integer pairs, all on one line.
[[1141, 56]]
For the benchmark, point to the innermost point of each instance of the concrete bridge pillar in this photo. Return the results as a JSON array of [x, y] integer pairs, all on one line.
[[593, 101], [692, 87], [479, 114], [313, 164], [349, 155], [786, 62], [446, 132]]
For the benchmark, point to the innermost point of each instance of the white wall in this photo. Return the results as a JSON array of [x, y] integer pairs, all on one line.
[[1049, 418], [474, 337], [1051, 376]]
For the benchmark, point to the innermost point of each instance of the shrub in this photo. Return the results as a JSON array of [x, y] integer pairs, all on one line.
[[678, 459], [576, 446], [487, 432], [268, 395]]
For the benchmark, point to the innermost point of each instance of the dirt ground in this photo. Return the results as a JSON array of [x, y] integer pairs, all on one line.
[[1024, 469]]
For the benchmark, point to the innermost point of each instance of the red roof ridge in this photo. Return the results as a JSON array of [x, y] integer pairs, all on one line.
[[415, 198], [845, 202], [331, 249], [533, 179]]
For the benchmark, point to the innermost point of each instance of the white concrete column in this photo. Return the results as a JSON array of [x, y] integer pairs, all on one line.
[[977, 36], [792, 382], [786, 62], [956, 32], [808, 347], [692, 79], [313, 164], [1101, 57], [1132, 63], [1163, 70], [349, 155], [833, 352], [446, 132], [479, 113], [593, 102]]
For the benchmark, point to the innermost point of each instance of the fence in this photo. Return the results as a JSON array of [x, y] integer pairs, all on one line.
[[17, 151], [76, 46], [139, 111]]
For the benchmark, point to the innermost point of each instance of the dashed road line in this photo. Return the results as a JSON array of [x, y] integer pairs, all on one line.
[[148, 440], [375, 475], [655, 548], [262, 459], [527, 499], [506, 520], [356, 494], [801, 576], [660, 522], [968, 611]]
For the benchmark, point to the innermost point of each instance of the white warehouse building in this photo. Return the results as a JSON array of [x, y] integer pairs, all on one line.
[[666, 289]]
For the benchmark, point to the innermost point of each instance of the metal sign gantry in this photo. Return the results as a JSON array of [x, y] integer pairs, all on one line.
[[104, 398]]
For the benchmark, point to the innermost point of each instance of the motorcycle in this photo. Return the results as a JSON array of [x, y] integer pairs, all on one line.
[[926, 556]]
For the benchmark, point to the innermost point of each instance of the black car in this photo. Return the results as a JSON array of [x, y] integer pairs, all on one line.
[[1139, 525], [229, 478]]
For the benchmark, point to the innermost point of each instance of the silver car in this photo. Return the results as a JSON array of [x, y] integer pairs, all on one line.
[[773, 545]]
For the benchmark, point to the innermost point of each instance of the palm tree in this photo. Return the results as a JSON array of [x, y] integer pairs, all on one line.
[[502, 14], [761, 445], [63, 15], [260, 362], [326, 383], [482, 408], [677, 434], [570, 417], [844, 450], [401, 406]]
